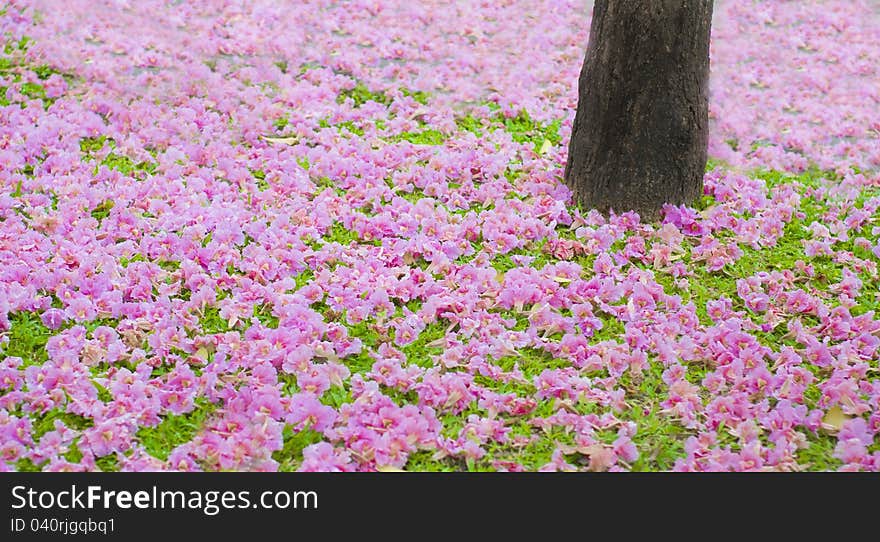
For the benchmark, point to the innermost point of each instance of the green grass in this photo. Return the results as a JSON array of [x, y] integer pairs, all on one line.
[[104, 394], [326, 183], [504, 262], [175, 429], [280, 123], [102, 211], [34, 91], [168, 265], [819, 455], [425, 137], [612, 329], [26, 465], [351, 127], [107, 463], [308, 66], [340, 234], [95, 144], [125, 261], [127, 166], [531, 361], [43, 423], [290, 456], [359, 363], [336, 397], [263, 313], [659, 438], [211, 322], [303, 278], [74, 454], [13, 62], [260, 176], [418, 352], [417, 95], [365, 331], [360, 95], [521, 127], [113, 160], [422, 461], [469, 123], [27, 339]]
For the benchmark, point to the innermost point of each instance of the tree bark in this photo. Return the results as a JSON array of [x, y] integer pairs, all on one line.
[[641, 129]]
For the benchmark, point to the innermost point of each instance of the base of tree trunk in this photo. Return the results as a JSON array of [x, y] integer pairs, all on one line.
[[640, 133]]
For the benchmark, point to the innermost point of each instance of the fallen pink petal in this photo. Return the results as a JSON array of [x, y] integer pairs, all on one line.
[[335, 236]]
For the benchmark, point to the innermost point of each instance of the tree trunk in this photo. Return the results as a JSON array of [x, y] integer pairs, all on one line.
[[641, 129]]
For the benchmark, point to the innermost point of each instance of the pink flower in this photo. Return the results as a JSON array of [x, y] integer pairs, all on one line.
[[852, 441], [306, 411], [557, 463], [53, 318]]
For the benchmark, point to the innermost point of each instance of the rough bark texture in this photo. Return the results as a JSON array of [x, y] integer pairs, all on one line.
[[640, 132]]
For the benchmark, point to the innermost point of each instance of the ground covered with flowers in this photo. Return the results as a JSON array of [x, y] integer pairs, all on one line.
[[332, 236]]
